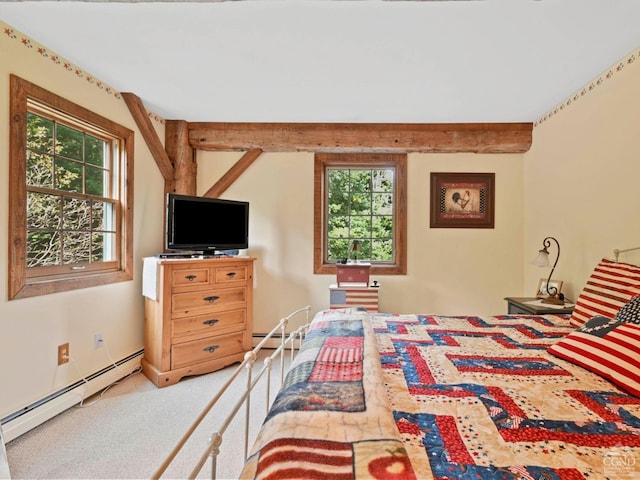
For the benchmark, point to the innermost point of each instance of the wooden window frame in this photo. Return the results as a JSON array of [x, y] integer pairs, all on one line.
[[21, 283], [359, 160]]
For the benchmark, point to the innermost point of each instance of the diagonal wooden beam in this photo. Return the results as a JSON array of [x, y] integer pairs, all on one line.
[[149, 134], [233, 173]]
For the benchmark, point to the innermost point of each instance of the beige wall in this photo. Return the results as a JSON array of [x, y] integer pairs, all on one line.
[[32, 328], [450, 271], [581, 178]]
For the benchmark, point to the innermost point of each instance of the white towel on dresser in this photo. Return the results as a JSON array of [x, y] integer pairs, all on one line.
[[150, 278]]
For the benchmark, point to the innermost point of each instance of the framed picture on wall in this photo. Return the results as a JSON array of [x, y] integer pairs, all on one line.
[[462, 200], [543, 287]]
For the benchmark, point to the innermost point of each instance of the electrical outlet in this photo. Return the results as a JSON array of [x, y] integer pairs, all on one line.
[[63, 353], [99, 341]]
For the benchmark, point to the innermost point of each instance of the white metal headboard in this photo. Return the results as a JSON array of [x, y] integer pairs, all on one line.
[[617, 251]]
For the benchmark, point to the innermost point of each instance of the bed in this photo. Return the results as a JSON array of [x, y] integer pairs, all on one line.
[[403, 396], [426, 396]]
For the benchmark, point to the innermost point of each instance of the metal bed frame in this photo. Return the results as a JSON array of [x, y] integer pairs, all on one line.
[[290, 343], [617, 251]]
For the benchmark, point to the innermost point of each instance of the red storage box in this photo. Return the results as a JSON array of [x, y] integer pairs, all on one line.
[[353, 274]]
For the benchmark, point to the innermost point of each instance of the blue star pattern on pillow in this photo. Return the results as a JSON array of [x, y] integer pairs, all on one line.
[[600, 325], [630, 312]]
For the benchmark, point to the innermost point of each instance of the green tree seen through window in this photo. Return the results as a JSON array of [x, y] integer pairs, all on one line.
[[360, 207]]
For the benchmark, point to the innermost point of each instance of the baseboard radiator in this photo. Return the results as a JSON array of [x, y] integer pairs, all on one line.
[[48, 407], [267, 340]]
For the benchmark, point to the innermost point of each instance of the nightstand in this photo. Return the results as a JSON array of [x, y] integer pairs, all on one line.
[[520, 305]]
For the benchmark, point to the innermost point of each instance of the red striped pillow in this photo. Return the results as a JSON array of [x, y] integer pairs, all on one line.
[[613, 356], [609, 288]]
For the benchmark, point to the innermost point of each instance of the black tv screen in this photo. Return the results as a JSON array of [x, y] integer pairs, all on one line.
[[206, 224]]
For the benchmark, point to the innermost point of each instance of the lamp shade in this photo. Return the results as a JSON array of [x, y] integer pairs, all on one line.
[[542, 259]]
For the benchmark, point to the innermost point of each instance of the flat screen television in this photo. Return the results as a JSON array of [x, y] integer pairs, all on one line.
[[201, 224]]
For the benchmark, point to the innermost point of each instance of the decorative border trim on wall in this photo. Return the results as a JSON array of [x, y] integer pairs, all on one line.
[[629, 59], [45, 53]]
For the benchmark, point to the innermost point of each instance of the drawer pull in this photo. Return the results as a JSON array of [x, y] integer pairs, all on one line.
[[210, 348], [211, 322], [211, 299], [191, 278], [231, 274]]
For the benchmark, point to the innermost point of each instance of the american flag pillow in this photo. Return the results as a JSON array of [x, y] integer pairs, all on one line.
[[608, 289], [613, 353]]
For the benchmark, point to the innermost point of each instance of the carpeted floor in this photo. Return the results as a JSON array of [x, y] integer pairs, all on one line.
[[132, 428]]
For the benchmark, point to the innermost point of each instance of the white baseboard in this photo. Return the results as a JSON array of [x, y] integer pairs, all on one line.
[[33, 415]]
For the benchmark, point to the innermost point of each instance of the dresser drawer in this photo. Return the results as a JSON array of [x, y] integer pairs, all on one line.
[[190, 276], [237, 273], [211, 348], [206, 325], [195, 303]]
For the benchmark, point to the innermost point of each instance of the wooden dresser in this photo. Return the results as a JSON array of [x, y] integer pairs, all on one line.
[[201, 318]]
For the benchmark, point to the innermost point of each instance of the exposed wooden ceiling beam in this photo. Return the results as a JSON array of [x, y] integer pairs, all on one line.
[[233, 173], [363, 137]]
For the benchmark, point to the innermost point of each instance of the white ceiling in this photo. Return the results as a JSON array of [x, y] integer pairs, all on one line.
[[339, 61]]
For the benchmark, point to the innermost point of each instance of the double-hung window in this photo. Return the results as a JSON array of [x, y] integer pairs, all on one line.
[[70, 203], [360, 200]]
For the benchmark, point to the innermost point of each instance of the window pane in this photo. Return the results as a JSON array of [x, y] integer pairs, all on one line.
[[382, 180], [95, 181], [360, 180], [98, 212], [382, 203], [76, 214], [39, 133], [69, 142], [337, 249], [364, 253], [382, 250], [39, 169], [360, 204], [95, 153], [43, 249], [382, 227], [103, 247], [43, 211], [338, 180], [338, 203], [338, 226], [360, 227], [68, 175], [76, 247]]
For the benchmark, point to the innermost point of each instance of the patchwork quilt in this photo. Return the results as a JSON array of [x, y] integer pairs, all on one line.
[[434, 397], [331, 418]]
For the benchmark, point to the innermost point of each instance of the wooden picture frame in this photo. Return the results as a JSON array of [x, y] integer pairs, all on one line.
[[462, 200], [542, 291]]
